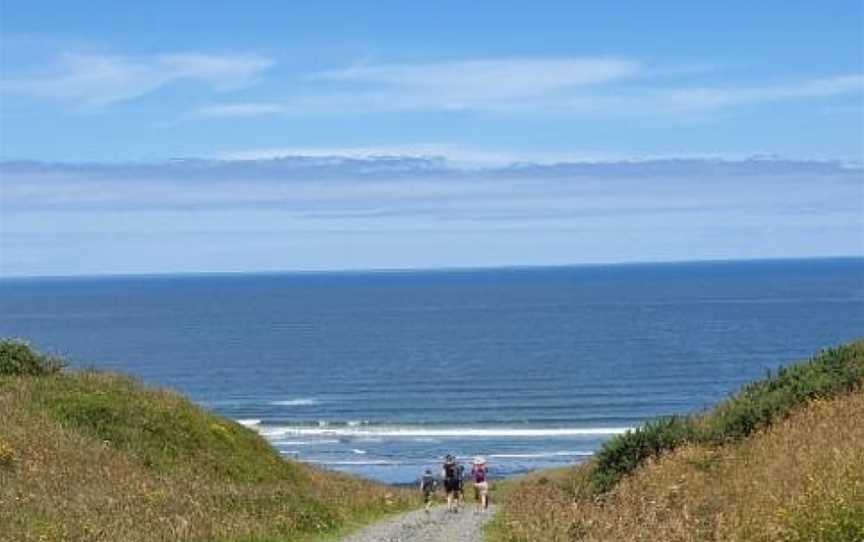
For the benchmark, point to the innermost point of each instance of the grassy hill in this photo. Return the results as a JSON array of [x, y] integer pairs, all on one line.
[[88, 455], [782, 460]]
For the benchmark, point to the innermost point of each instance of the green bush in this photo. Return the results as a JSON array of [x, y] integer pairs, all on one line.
[[762, 402], [18, 359], [623, 453], [755, 407]]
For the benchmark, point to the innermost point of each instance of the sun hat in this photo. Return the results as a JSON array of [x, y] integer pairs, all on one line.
[[479, 460]]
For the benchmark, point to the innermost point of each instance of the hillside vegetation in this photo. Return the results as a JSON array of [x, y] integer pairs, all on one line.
[[781, 460], [97, 456]]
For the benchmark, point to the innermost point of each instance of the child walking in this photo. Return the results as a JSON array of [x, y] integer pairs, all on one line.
[[427, 486]]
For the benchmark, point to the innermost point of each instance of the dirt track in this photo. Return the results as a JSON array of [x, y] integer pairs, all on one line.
[[437, 525]]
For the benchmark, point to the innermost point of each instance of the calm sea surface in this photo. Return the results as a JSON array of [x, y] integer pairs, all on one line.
[[380, 374]]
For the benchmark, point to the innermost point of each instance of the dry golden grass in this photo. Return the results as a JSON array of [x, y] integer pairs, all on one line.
[[800, 480], [59, 480]]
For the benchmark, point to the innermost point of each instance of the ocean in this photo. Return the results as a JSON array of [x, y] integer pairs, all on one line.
[[382, 373]]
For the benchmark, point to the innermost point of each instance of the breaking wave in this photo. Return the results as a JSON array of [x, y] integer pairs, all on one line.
[[542, 455], [302, 401], [347, 431], [249, 423], [355, 463]]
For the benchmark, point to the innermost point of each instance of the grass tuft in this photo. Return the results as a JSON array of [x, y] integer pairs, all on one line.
[[7, 455]]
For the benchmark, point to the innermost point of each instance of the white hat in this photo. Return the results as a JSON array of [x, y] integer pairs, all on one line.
[[479, 461]]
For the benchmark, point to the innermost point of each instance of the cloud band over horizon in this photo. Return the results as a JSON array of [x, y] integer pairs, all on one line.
[[359, 213]]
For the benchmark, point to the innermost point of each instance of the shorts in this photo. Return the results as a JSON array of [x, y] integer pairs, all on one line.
[[451, 485], [427, 496], [481, 489]]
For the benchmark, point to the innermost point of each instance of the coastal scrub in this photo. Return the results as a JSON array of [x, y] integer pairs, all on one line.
[[782, 460]]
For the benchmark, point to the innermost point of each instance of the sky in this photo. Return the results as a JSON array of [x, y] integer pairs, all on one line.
[[158, 137]]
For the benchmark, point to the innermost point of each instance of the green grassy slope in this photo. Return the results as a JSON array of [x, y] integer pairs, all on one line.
[[781, 460], [97, 456]]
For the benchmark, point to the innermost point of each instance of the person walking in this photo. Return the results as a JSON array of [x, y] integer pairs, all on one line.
[[427, 486], [451, 483], [460, 485], [480, 474]]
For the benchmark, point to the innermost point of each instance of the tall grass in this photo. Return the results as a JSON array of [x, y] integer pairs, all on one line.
[[95, 456], [782, 460], [755, 407]]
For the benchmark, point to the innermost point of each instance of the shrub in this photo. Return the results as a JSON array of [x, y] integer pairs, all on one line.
[[624, 453], [18, 359], [760, 403], [802, 480], [755, 407]]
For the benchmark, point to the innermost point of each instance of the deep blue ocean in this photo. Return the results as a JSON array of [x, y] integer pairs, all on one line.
[[381, 373]]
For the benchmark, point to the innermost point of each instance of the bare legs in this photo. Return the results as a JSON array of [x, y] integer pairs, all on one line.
[[481, 494]]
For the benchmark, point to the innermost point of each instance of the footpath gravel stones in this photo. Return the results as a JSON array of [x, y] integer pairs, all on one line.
[[436, 526]]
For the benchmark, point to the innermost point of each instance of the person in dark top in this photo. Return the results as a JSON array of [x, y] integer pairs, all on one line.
[[427, 486], [451, 482], [460, 485]]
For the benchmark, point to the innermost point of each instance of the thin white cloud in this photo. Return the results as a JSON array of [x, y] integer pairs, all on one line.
[[98, 80], [455, 154], [575, 86], [242, 109], [473, 80], [701, 99], [154, 212], [458, 85], [476, 157]]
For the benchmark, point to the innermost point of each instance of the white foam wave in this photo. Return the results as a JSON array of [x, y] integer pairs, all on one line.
[[540, 455], [358, 451], [249, 423], [303, 442], [367, 462], [303, 401], [452, 432]]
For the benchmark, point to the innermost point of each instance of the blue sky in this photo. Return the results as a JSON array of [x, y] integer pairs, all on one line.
[[113, 94]]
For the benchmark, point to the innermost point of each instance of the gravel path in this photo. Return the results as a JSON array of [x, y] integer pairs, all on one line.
[[437, 525]]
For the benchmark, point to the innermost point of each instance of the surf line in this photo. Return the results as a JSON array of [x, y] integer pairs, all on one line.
[[397, 432]]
